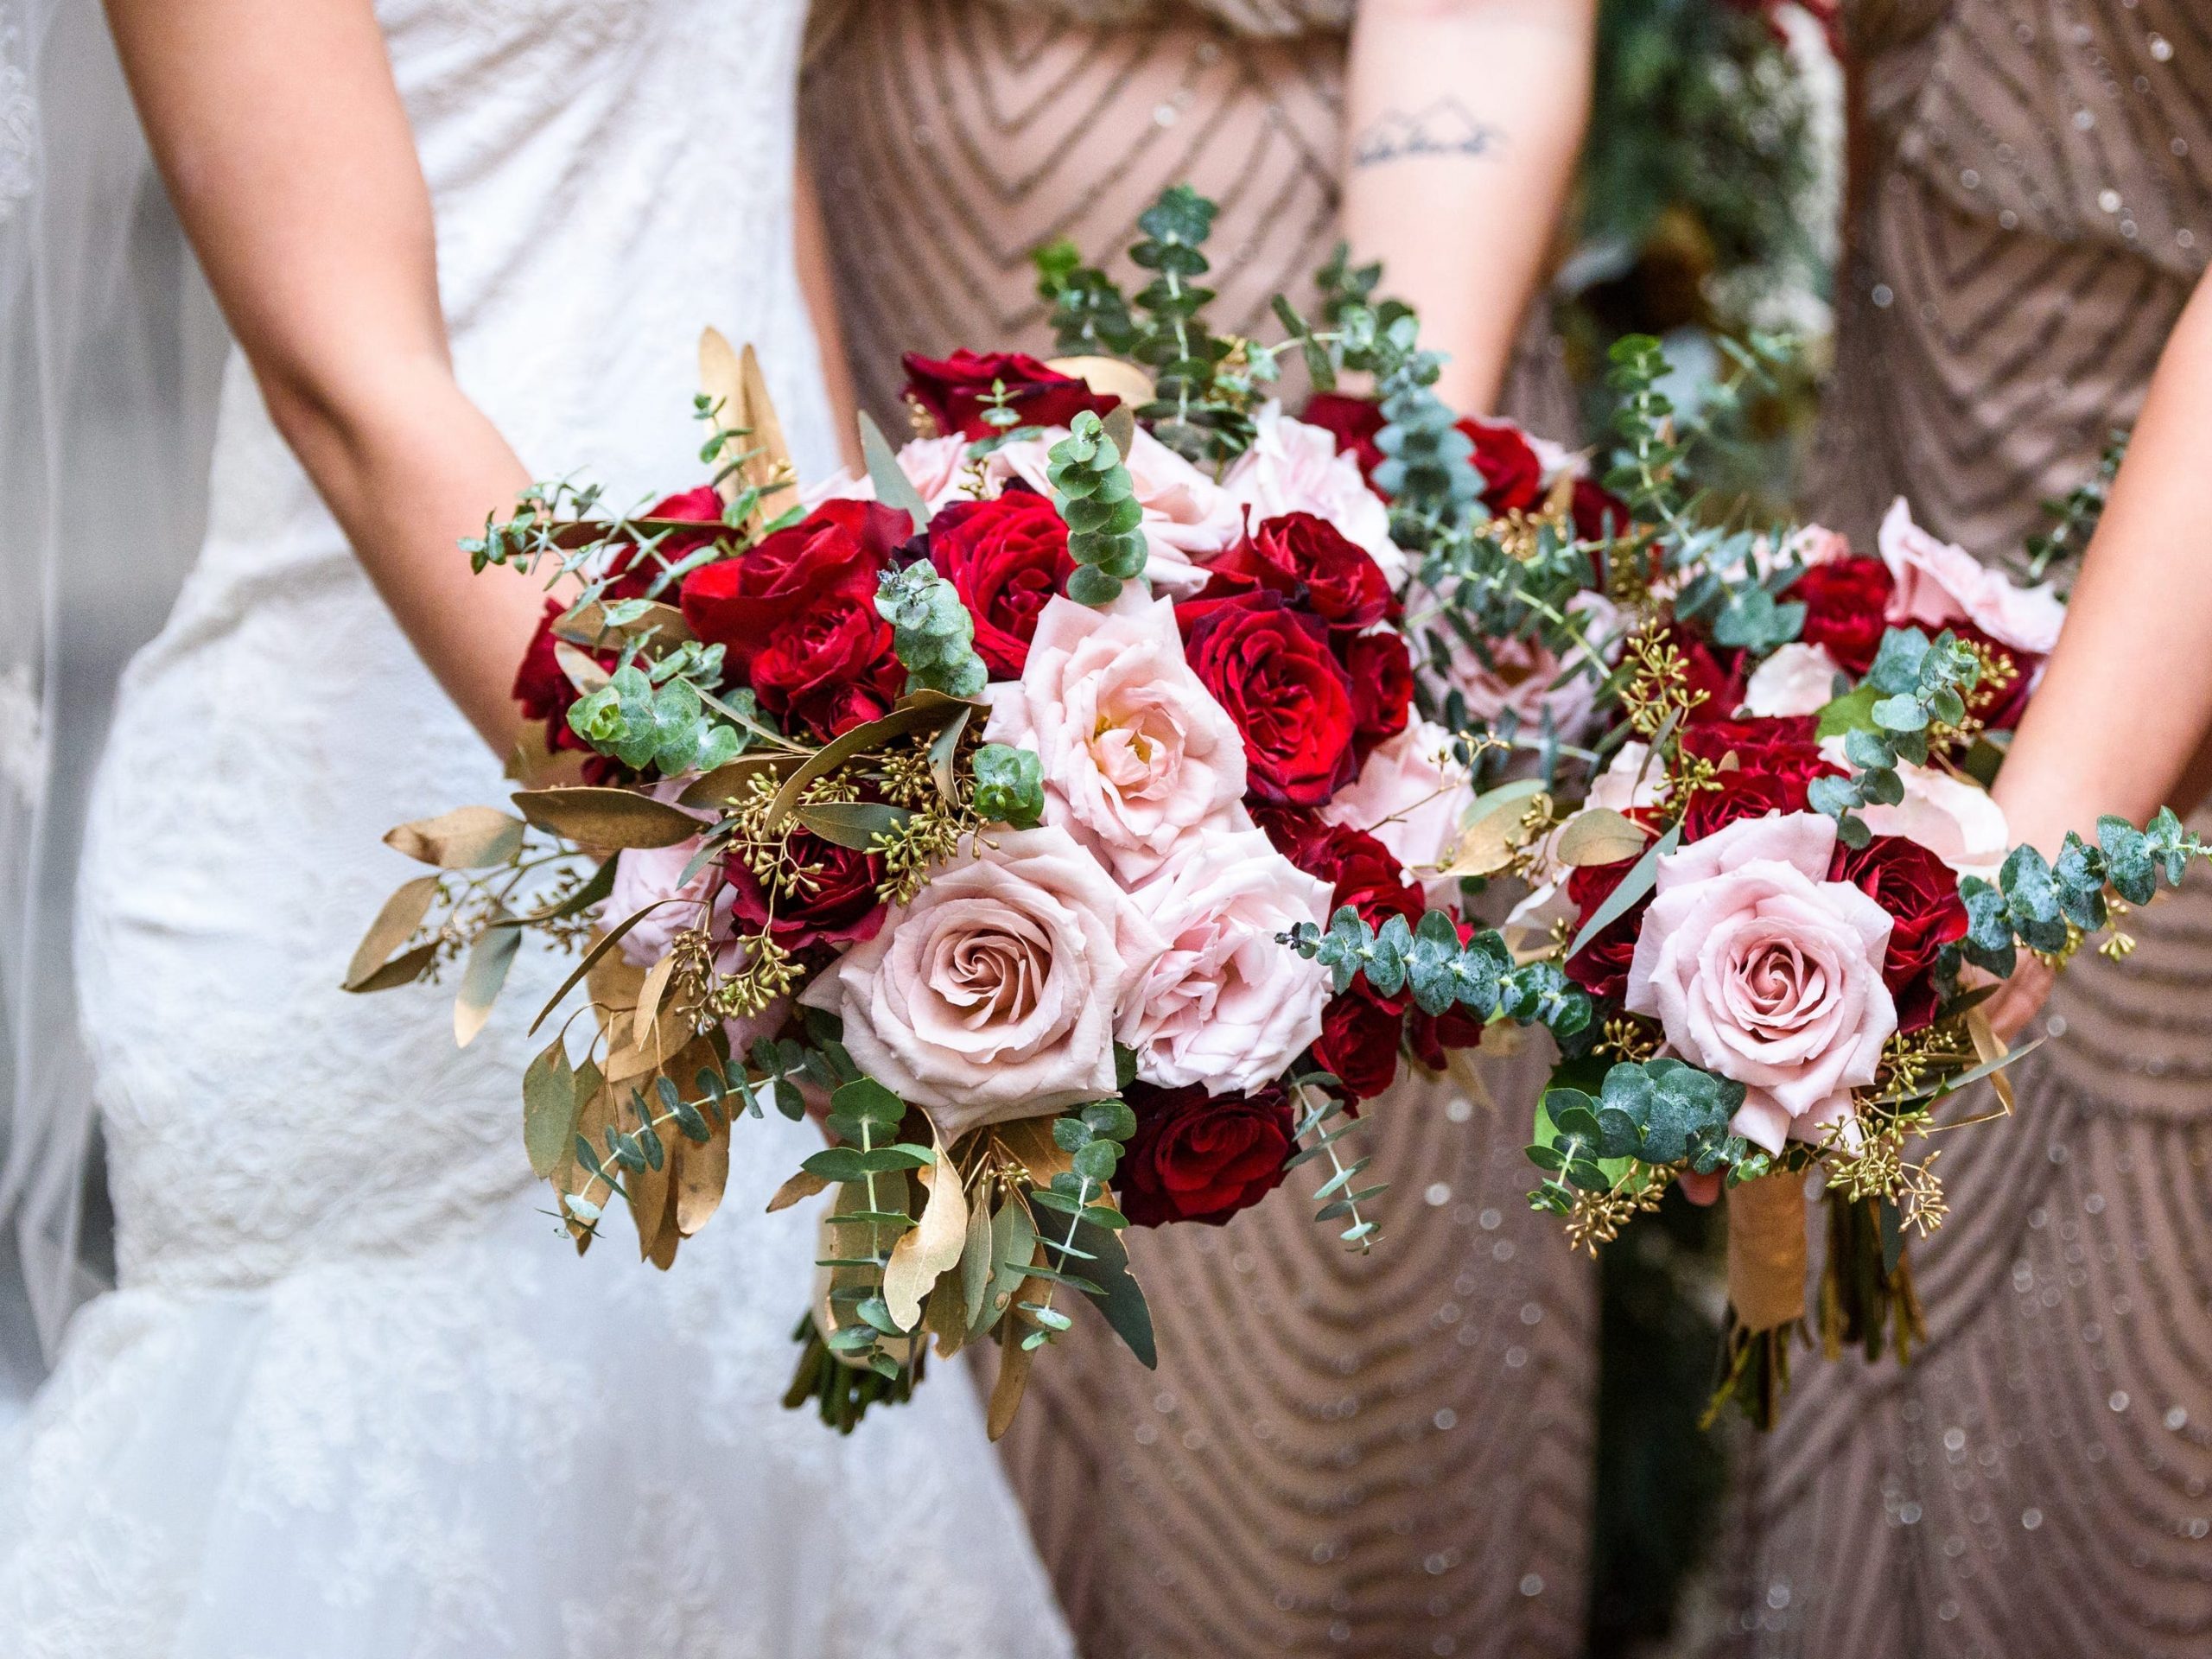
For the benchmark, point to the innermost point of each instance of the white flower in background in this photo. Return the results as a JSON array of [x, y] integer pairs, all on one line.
[[1798, 679]]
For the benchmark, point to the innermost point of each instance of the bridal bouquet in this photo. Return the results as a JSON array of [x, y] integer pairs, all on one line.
[[975, 805], [1758, 834]]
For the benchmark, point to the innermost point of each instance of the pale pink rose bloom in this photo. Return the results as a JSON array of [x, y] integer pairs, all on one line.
[[1955, 818], [1137, 752], [1812, 545], [1761, 971], [1939, 583], [1528, 678], [1410, 796], [1798, 679], [993, 995], [1294, 467], [937, 467], [647, 875], [1187, 518], [1226, 1004]]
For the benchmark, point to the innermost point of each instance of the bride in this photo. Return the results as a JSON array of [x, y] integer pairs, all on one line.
[[354, 1393]]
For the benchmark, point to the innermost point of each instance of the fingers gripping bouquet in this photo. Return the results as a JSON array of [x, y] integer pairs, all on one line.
[[1774, 865], [973, 805]]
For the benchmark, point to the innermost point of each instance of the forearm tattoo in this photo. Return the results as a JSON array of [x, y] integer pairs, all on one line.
[[1447, 127]]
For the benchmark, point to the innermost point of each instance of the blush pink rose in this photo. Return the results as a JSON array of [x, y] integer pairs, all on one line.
[[1226, 1004], [1410, 796], [1761, 971], [1528, 680], [647, 875], [1798, 679], [1294, 467], [1955, 818], [993, 995], [937, 467], [1136, 752], [1187, 518], [1939, 583]]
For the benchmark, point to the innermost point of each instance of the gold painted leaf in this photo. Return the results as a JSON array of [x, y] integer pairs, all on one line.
[[773, 454], [649, 1191], [1110, 376], [606, 817], [1598, 835], [467, 838], [600, 951], [489, 958], [583, 669], [1989, 1048], [395, 925], [702, 1174], [920, 712], [649, 996], [1028, 1142], [403, 969], [931, 1246], [1013, 1381], [725, 784], [1493, 830], [587, 625], [550, 1105], [796, 1190], [943, 1316]]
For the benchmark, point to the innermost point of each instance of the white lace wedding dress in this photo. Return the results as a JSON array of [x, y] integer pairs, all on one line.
[[356, 1395]]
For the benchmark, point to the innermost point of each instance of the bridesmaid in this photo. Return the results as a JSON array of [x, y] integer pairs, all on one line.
[[2032, 208], [1378, 1455]]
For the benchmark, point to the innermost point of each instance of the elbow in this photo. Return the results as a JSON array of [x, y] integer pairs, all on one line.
[[336, 413]]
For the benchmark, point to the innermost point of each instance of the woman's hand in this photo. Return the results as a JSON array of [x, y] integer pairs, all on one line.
[[290, 162], [1466, 118]]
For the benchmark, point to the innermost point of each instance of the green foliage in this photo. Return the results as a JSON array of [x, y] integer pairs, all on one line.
[[1173, 340], [1478, 975], [1089, 316], [2077, 515], [932, 631], [2036, 902], [1917, 685], [655, 718], [1009, 784], [1094, 493]]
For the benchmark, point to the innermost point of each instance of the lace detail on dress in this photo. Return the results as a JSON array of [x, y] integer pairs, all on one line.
[[358, 1398]]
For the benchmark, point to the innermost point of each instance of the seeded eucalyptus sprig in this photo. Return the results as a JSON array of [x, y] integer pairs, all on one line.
[[1094, 494], [2040, 904], [1914, 687], [930, 631]]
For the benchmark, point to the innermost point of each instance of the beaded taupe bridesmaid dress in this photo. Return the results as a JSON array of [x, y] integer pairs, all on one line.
[[2034, 206], [1379, 1456]]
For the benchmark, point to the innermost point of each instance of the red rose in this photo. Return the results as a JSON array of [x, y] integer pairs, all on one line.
[[839, 548], [632, 574], [1271, 668], [838, 906], [953, 391], [1308, 560], [1920, 893], [1719, 673], [834, 710], [1430, 1035], [1999, 706], [1513, 477], [1201, 1157], [1844, 601], [813, 663], [1775, 759], [1382, 674], [1359, 1041], [1005, 557], [545, 692], [1352, 421], [1601, 966], [1363, 871], [1597, 511]]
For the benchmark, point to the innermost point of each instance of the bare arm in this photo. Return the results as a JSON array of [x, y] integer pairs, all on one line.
[[1465, 118], [289, 159], [2126, 704]]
